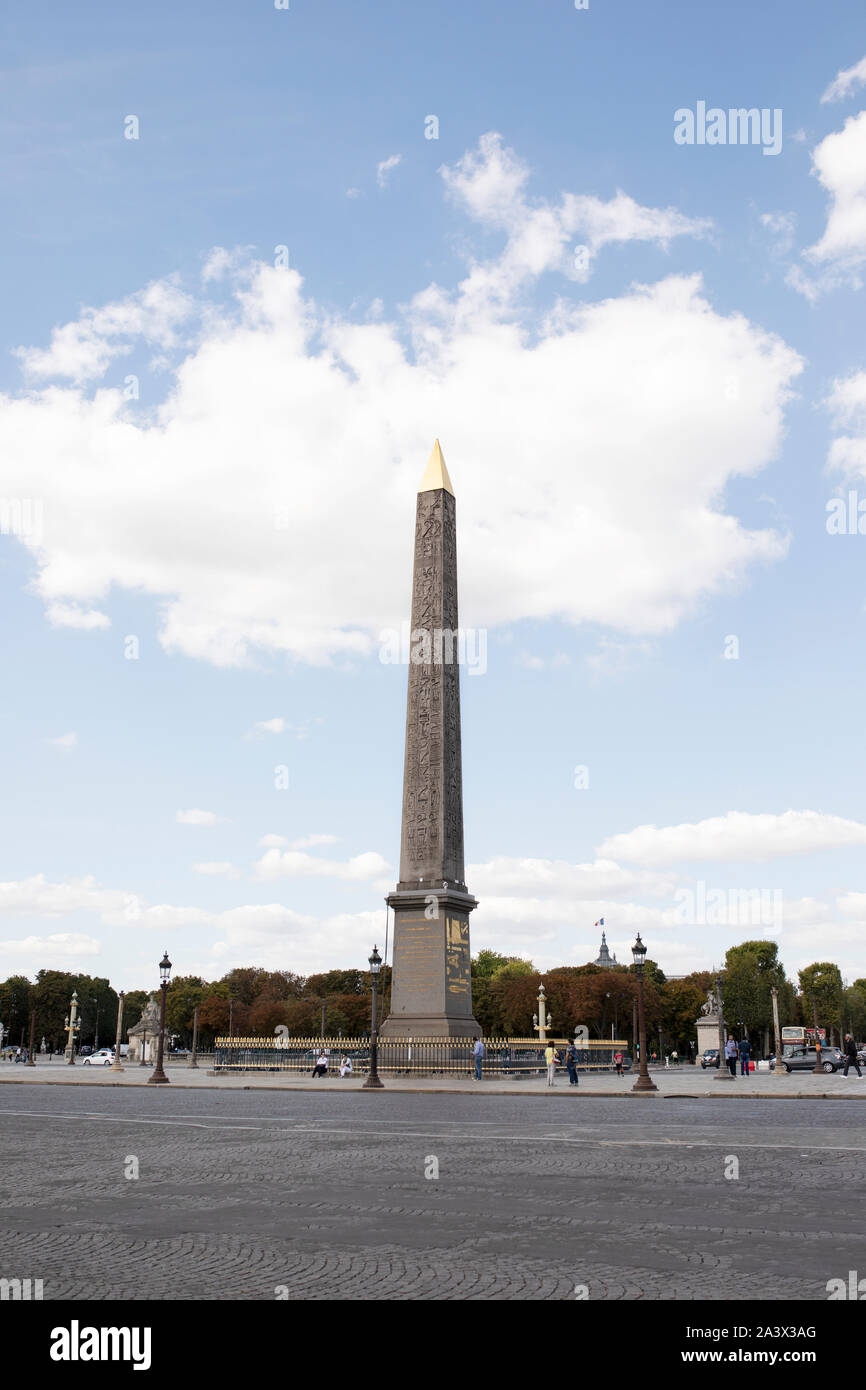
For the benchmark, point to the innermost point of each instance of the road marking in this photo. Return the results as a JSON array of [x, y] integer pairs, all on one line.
[[576, 1139]]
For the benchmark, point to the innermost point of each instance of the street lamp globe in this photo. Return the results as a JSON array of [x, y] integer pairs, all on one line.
[[375, 962], [165, 969], [638, 952]]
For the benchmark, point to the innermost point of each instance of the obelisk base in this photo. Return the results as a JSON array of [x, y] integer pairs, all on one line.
[[431, 984]]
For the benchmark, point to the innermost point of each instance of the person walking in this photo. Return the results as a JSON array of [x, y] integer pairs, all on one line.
[[617, 1059], [551, 1059], [745, 1056], [851, 1058], [571, 1064], [731, 1054], [321, 1067], [478, 1057]]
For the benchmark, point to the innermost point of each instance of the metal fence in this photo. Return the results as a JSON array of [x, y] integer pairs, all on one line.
[[503, 1057]]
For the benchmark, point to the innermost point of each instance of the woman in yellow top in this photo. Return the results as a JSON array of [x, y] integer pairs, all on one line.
[[551, 1059]]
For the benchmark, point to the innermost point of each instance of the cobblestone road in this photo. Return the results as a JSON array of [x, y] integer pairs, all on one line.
[[248, 1196]]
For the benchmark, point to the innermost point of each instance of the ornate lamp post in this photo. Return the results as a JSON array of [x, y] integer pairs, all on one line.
[[638, 955], [31, 1060], [116, 1066], [193, 1060], [73, 1027], [817, 1067], [723, 1073], [373, 1083], [159, 1077], [778, 1070], [141, 1060], [542, 1021]]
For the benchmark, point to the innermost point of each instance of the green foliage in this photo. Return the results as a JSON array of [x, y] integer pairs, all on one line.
[[821, 986], [489, 963], [16, 1001]]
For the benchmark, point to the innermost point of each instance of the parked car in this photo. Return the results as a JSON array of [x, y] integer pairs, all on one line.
[[103, 1058], [87, 1050], [803, 1059], [710, 1058]]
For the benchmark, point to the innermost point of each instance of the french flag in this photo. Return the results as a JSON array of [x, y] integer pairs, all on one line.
[[600, 922]]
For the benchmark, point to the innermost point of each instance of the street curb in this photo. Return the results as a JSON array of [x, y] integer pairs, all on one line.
[[449, 1091]]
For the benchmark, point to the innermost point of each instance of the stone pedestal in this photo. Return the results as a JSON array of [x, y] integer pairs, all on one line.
[[431, 995], [708, 1033]]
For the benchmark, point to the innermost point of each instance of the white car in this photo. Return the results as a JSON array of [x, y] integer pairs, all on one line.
[[103, 1058]]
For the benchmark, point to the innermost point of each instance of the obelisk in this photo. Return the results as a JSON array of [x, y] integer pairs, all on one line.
[[431, 994]]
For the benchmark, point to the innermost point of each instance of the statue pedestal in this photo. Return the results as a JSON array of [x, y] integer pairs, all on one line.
[[708, 1033]]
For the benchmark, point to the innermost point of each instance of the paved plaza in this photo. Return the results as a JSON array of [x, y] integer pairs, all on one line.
[[257, 1195], [671, 1082]]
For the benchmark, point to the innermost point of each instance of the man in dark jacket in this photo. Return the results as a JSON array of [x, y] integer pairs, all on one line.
[[851, 1055], [571, 1064], [745, 1052]]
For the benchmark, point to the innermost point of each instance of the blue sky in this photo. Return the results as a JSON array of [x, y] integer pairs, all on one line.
[[644, 361]]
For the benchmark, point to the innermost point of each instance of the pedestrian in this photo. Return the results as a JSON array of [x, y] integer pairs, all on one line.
[[653, 1058], [745, 1054], [345, 1066], [851, 1058], [571, 1064], [478, 1057], [321, 1067], [617, 1058], [551, 1059], [18, 1054], [731, 1054]]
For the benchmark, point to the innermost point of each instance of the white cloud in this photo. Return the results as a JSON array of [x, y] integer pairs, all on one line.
[[384, 168], [282, 726], [83, 349], [218, 870], [613, 657], [839, 162], [847, 404], [37, 897], [615, 514], [845, 82], [66, 742], [571, 884], [296, 864], [195, 817], [490, 184], [781, 226], [738, 835], [268, 726], [71, 615], [61, 946]]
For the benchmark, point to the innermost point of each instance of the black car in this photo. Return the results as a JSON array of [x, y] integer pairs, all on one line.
[[710, 1057]]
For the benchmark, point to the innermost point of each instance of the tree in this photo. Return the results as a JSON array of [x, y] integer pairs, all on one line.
[[16, 996], [134, 1006], [182, 995], [52, 996], [751, 970], [681, 1002], [821, 986]]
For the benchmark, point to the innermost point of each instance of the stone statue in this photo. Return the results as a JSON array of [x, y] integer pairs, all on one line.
[[709, 1007]]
